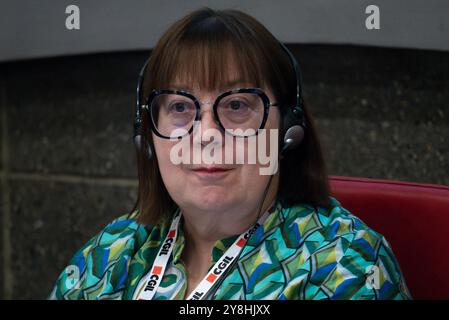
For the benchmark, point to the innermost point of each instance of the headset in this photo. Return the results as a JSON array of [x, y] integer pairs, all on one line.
[[293, 119]]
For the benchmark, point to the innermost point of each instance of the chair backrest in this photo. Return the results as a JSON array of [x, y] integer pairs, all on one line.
[[414, 218]]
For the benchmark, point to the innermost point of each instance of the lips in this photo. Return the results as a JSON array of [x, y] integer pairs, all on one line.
[[211, 171]]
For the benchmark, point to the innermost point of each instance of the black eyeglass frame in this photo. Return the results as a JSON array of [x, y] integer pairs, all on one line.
[[259, 92]]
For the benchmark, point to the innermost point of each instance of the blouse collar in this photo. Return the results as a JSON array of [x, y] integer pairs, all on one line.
[[221, 245]]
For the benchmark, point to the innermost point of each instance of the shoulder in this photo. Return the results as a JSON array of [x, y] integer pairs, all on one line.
[[116, 236], [346, 258], [323, 226], [101, 263]]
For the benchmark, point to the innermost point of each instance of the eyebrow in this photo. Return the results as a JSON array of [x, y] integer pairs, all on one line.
[[227, 85]]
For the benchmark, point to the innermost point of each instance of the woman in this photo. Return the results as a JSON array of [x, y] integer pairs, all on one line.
[[223, 229]]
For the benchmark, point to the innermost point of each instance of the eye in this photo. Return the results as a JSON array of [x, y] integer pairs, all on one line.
[[236, 105], [180, 107]]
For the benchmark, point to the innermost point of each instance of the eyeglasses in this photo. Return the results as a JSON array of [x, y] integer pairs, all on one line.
[[240, 112]]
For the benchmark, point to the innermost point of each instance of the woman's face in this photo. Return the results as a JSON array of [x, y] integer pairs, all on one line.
[[219, 186]]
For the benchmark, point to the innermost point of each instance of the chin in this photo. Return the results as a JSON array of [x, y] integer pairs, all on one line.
[[213, 198]]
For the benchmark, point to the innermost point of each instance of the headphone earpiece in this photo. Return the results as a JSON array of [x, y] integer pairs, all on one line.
[[138, 145], [137, 136], [292, 138], [293, 129]]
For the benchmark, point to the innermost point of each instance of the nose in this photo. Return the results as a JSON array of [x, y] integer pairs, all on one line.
[[207, 122]]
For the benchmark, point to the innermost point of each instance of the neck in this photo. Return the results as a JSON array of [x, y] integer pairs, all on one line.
[[201, 238], [203, 229]]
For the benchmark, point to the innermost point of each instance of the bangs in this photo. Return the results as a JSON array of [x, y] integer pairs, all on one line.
[[211, 55], [210, 68]]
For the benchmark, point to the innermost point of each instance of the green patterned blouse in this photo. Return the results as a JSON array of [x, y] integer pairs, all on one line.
[[302, 252]]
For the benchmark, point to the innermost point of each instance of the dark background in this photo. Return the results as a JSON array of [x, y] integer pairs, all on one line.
[[68, 163]]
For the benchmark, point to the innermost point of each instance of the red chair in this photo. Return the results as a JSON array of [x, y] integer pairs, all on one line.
[[414, 218]]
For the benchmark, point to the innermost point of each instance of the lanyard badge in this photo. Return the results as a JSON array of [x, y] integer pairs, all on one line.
[[148, 285]]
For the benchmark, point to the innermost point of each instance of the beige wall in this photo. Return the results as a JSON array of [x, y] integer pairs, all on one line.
[[30, 29]]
